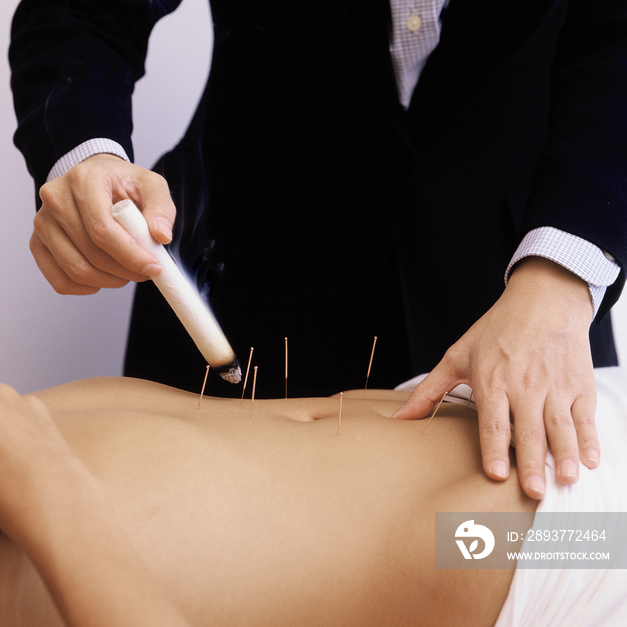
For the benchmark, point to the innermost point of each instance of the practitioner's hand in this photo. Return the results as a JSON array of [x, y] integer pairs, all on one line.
[[527, 358], [76, 243]]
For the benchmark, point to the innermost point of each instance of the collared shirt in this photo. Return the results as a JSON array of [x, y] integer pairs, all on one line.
[[414, 35]]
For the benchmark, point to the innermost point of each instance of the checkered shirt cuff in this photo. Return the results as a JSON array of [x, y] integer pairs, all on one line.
[[83, 151], [578, 255]]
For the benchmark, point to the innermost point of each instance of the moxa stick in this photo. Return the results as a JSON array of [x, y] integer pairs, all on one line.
[[182, 296]]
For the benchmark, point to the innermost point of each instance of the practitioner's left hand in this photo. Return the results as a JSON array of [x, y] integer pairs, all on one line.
[[527, 358]]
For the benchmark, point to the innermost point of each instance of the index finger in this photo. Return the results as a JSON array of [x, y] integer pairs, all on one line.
[[110, 237], [494, 433]]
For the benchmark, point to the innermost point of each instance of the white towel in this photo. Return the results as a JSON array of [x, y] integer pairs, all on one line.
[[581, 597], [575, 597]]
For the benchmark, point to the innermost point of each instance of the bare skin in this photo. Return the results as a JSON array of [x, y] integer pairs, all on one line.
[[513, 357], [56, 511], [76, 243], [262, 514], [528, 357]]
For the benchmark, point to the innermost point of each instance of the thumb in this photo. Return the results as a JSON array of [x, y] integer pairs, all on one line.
[[157, 206], [442, 379]]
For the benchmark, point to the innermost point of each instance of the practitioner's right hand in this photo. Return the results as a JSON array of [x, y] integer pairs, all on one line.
[[76, 243]]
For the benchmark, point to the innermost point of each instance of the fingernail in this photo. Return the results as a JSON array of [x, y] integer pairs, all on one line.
[[164, 227], [592, 456], [567, 470], [537, 486], [152, 269], [398, 412], [499, 469]]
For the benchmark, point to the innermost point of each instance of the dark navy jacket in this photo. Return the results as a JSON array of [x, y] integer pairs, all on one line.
[[312, 205]]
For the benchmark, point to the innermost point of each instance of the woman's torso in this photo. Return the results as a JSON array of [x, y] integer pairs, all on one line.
[[255, 514]]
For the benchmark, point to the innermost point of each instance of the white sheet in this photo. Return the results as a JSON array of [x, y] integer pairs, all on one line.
[[581, 597]]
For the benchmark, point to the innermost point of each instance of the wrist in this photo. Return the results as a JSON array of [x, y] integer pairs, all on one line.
[[553, 286]]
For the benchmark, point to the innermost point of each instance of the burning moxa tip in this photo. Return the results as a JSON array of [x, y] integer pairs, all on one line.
[[182, 296]]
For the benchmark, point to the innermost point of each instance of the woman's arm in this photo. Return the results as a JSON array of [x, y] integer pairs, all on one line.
[[56, 510]]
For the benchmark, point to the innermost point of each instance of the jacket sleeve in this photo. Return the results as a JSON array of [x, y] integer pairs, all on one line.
[[74, 66], [580, 183]]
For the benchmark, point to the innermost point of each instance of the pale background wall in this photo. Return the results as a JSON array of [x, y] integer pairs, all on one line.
[[45, 338]]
